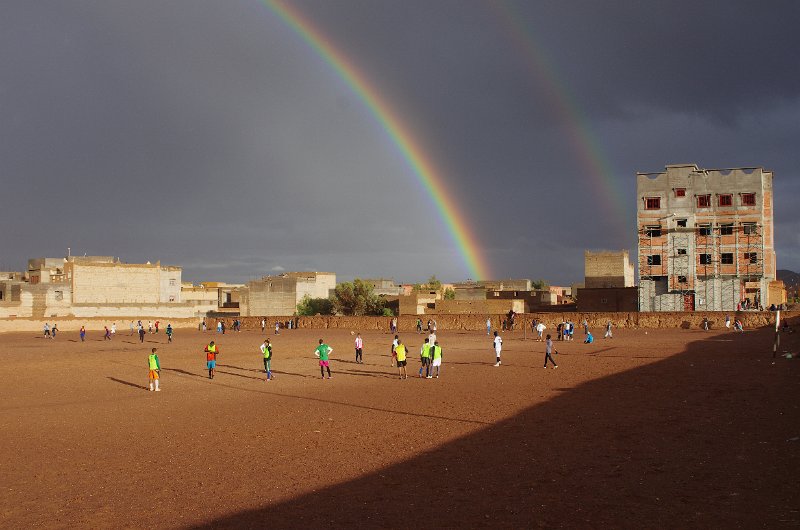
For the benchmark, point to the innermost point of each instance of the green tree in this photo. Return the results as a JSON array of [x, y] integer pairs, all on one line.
[[357, 298], [314, 306], [432, 284], [539, 285], [449, 294]]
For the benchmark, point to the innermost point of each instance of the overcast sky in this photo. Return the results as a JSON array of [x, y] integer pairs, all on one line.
[[210, 135]]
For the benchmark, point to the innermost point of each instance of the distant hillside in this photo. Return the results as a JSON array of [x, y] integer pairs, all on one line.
[[790, 278]]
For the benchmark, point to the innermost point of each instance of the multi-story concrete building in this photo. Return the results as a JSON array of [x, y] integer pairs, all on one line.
[[92, 286], [279, 295], [608, 283], [606, 269], [705, 238]]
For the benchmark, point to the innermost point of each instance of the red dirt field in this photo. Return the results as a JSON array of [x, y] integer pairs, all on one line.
[[664, 428]]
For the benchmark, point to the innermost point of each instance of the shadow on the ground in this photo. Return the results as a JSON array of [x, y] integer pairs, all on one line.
[[240, 368], [365, 374], [694, 440], [185, 372], [218, 371], [127, 383]]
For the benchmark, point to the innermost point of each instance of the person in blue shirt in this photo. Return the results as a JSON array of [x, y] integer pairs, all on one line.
[[589, 338]]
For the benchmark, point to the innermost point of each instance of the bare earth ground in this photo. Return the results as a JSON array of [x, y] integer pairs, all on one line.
[[673, 428]]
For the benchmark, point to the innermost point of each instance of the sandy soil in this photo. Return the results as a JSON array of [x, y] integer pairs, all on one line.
[[664, 428]]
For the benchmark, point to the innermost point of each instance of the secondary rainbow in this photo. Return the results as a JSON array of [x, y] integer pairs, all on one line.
[[416, 157], [584, 143]]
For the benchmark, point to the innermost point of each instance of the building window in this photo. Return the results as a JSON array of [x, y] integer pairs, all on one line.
[[171, 298], [682, 279], [172, 282], [653, 231], [704, 201], [748, 199], [726, 200], [726, 229], [749, 229], [604, 300], [726, 258], [654, 259], [751, 257], [680, 192], [1, 295], [705, 259], [681, 223], [704, 230], [59, 295], [652, 203], [681, 252]]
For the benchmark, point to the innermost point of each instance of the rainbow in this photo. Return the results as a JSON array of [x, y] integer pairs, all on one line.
[[567, 110], [417, 159]]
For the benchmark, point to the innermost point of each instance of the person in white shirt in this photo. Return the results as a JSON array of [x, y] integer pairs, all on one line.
[[498, 346], [540, 329], [359, 349], [488, 326]]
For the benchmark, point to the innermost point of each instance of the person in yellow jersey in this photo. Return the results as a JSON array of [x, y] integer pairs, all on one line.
[[401, 354], [436, 363], [155, 369], [211, 359], [425, 359]]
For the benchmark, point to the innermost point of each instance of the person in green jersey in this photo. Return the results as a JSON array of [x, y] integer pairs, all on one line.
[[425, 359], [266, 351], [323, 352], [436, 354], [401, 354], [155, 370]]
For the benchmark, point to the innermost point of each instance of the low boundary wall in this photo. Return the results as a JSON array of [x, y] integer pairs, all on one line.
[[407, 323]]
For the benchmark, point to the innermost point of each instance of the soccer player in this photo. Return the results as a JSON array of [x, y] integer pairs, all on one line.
[[266, 351], [395, 342], [107, 336], [498, 346], [168, 331], [83, 333], [609, 334], [548, 349], [47, 331], [141, 333], [155, 370], [488, 326], [211, 359], [323, 351], [437, 360], [425, 359], [400, 353], [540, 327], [589, 338], [359, 349]]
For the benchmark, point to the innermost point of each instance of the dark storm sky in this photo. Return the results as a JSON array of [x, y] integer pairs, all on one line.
[[209, 135]]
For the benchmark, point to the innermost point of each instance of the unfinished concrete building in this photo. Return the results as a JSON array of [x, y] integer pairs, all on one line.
[[609, 283], [92, 286], [606, 269], [705, 238], [279, 295]]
